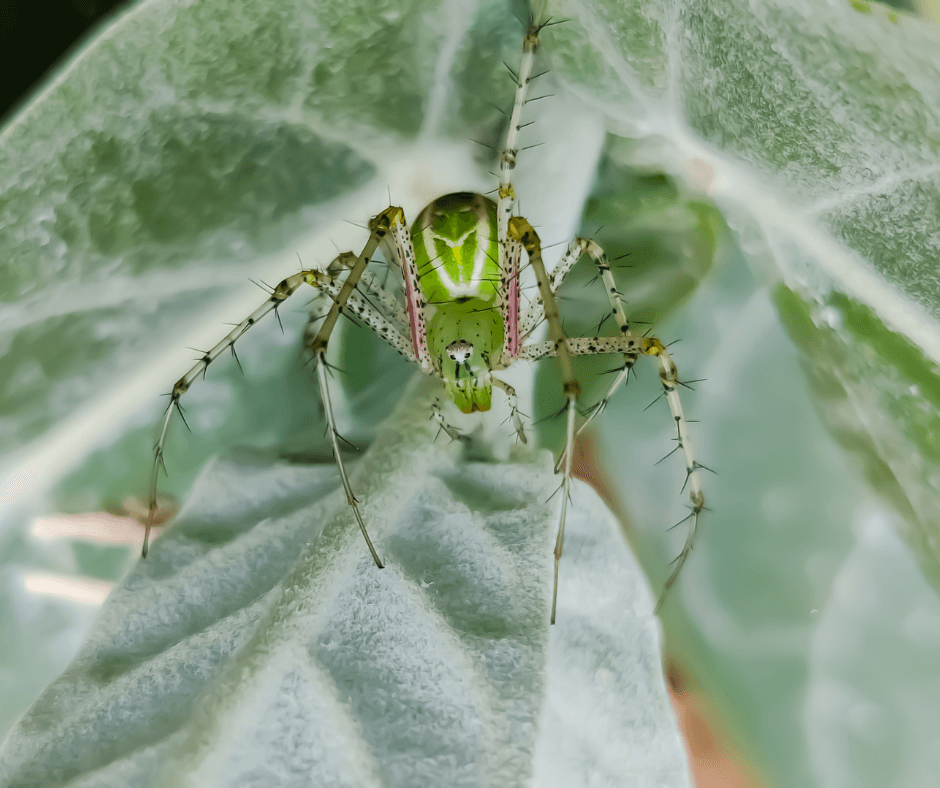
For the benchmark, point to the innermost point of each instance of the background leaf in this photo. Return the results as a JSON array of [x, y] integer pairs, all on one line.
[[814, 129]]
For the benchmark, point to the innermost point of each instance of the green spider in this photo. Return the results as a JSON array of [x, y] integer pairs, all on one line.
[[462, 318]]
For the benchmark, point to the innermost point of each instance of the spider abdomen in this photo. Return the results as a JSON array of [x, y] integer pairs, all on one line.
[[456, 248]]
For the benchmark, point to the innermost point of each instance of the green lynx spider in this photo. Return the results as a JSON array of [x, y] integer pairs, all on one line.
[[462, 318]]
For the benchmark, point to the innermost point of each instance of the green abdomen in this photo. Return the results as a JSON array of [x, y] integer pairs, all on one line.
[[456, 248]]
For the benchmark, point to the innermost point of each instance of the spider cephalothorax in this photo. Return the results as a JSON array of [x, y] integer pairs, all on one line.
[[462, 338], [462, 317]]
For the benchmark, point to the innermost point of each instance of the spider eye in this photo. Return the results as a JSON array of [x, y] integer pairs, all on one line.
[[460, 351]]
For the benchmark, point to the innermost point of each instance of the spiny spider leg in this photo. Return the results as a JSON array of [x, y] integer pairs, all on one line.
[[278, 295], [452, 432], [513, 232], [507, 160], [399, 249], [391, 220], [520, 231], [385, 326], [509, 250], [378, 294], [534, 313], [334, 439], [669, 377], [513, 407], [343, 296], [577, 248], [509, 257], [592, 346]]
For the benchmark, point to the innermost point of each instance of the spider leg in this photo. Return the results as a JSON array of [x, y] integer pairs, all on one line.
[[375, 293], [520, 231], [590, 346], [576, 249], [507, 157], [334, 438], [510, 251], [399, 249], [534, 313], [391, 220], [669, 377], [373, 305], [344, 296], [278, 296], [452, 432], [509, 255], [513, 407]]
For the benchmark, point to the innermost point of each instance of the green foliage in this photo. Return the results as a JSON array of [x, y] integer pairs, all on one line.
[[192, 146]]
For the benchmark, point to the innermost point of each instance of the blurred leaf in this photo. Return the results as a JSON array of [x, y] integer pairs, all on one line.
[[818, 130]]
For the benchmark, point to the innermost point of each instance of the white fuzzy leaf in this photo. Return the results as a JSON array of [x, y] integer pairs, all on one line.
[[258, 645]]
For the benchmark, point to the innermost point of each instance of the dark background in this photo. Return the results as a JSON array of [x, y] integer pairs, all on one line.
[[36, 36]]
